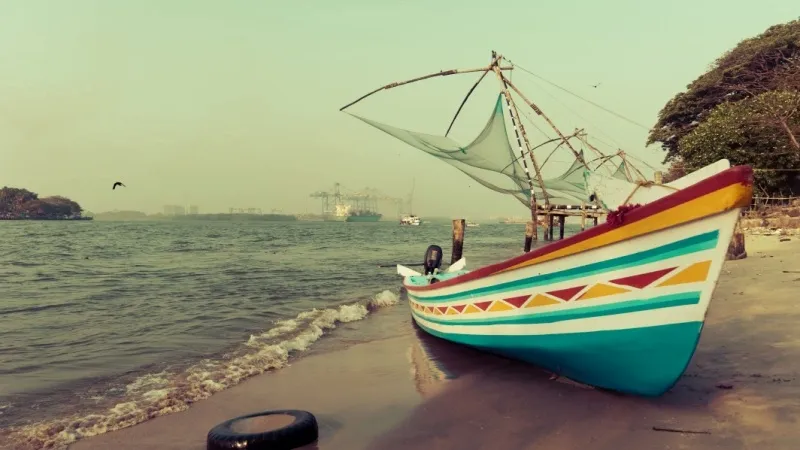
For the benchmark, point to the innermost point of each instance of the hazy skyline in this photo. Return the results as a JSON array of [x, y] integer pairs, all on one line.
[[235, 104]]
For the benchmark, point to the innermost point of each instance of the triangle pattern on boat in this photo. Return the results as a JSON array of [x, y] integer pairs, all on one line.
[[566, 294], [451, 311], [459, 308], [692, 274], [471, 309], [428, 309], [517, 302], [541, 300], [442, 309], [500, 306], [643, 280], [483, 306], [602, 290]]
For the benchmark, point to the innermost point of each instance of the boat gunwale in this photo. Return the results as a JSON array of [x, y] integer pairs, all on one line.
[[742, 175]]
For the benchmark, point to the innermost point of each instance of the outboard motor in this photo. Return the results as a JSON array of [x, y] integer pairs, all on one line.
[[433, 259]]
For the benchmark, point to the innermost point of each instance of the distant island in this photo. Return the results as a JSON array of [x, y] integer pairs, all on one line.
[[139, 215], [22, 204]]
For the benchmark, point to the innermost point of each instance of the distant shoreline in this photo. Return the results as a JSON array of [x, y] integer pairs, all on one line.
[[196, 217], [46, 218]]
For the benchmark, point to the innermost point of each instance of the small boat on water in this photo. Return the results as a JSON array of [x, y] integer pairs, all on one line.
[[471, 224], [410, 219], [619, 306]]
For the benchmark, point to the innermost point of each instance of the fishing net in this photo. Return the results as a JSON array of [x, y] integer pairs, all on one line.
[[622, 172], [491, 161]]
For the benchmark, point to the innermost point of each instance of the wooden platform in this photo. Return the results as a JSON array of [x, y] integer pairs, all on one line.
[[560, 213]]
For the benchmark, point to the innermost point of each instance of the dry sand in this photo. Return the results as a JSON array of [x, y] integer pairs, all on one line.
[[417, 392]]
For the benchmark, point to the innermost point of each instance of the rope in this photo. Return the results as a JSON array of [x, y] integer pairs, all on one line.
[[598, 129], [581, 98], [647, 183]]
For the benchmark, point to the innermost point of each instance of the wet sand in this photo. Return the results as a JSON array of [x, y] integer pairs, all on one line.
[[741, 389]]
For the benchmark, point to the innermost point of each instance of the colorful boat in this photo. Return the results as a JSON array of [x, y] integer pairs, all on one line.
[[620, 306]]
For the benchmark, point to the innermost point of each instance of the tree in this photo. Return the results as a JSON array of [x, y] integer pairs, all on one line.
[[16, 202], [12, 200], [761, 131], [770, 61]]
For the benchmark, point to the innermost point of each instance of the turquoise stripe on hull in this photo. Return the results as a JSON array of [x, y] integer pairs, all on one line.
[[630, 306], [642, 361], [694, 244]]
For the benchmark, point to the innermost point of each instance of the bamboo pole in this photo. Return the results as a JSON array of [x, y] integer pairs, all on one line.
[[512, 112], [582, 138], [538, 111], [442, 73], [463, 102]]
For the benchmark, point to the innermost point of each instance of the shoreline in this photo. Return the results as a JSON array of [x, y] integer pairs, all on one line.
[[416, 391], [46, 218]]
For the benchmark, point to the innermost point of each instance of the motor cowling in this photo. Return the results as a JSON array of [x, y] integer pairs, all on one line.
[[433, 259]]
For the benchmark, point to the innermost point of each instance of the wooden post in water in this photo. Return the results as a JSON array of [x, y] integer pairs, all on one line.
[[736, 249], [550, 218], [583, 216], [530, 232], [458, 239], [561, 222], [595, 219]]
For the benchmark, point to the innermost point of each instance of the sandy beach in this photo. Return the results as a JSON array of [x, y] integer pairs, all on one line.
[[741, 390]]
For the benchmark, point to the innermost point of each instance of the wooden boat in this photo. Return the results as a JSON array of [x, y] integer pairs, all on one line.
[[620, 306]]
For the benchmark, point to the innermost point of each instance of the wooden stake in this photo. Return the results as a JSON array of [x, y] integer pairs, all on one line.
[[583, 216], [595, 220], [530, 230], [458, 240], [561, 222], [736, 248], [658, 177], [550, 218]]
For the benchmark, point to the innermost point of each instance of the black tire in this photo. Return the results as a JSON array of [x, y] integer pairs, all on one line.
[[302, 431]]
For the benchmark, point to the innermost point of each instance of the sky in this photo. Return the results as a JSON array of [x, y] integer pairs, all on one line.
[[236, 104]]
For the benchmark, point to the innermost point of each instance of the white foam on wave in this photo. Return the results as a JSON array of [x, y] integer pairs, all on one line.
[[157, 394]]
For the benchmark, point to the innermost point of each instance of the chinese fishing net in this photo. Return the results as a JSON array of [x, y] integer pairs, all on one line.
[[491, 161]]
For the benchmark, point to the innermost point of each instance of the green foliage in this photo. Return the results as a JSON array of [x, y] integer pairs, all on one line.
[[22, 203], [770, 61], [756, 131]]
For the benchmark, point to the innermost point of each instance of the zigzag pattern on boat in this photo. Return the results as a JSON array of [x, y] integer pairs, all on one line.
[[694, 244], [692, 273]]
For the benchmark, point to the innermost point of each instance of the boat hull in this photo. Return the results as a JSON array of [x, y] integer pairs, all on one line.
[[617, 307], [642, 361]]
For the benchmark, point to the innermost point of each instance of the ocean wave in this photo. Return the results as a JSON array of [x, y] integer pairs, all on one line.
[[162, 393], [35, 308]]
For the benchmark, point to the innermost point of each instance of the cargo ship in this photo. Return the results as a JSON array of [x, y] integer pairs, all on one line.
[[363, 216], [334, 209]]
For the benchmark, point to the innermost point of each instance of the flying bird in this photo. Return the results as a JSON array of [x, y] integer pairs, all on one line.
[[598, 84], [117, 184]]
